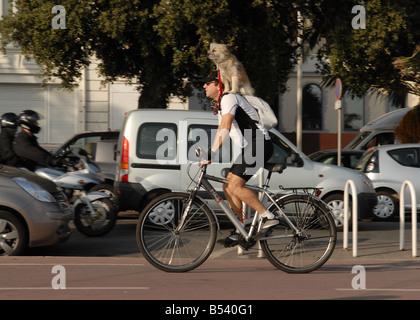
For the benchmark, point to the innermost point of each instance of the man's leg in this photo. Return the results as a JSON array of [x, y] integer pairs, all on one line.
[[236, 193], [234, 203]]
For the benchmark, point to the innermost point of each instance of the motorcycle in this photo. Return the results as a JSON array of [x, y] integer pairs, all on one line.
[[95, 214]]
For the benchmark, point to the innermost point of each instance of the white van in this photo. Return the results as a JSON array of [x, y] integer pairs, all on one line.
[[156, 147], [379, 131]]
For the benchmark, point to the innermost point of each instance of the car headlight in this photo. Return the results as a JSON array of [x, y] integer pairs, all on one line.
[[34, 190]]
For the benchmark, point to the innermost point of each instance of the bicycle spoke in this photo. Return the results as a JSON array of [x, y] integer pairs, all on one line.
[[307, 249], [181, 244]]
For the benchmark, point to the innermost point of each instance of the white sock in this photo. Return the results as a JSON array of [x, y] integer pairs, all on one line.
[[268, 215]]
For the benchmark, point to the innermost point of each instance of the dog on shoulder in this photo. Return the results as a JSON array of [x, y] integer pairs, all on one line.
[[232, 72]]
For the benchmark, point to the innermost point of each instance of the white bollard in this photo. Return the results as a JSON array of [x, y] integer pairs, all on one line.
[[346, 216], [413, 217]]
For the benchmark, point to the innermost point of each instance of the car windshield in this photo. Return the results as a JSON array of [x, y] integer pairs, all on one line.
[[86, 141]]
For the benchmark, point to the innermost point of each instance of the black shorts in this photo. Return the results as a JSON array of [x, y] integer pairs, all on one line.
[[252, 158]]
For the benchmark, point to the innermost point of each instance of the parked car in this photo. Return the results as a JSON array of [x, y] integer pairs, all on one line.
[[33, 211], [379, 131], [100, 146], [156, 147], [388, 167], [349, 158]]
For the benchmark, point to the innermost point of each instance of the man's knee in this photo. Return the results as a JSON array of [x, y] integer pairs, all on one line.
[[234, 185]]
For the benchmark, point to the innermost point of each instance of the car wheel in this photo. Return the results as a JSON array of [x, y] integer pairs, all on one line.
[[13, 236], [336, 203], [387, 207]]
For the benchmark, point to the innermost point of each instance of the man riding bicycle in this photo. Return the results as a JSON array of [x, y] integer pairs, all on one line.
[[239, 120]]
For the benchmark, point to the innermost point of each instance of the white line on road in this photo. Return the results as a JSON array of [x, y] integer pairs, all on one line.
[[74, 264], [399, 290], [75, 288]]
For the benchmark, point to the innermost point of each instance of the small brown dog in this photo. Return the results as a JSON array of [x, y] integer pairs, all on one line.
[[232, 72]]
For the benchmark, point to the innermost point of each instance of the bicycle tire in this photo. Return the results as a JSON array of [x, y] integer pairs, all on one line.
[[305, 252], [168, 249]]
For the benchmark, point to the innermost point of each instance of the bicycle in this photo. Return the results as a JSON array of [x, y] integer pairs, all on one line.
[[302, 242]]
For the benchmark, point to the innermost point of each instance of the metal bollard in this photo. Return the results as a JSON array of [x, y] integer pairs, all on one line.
[[413, 217], [346, 216]]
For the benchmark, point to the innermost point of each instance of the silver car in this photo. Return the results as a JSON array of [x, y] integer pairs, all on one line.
[[388, 167], [33, 211]]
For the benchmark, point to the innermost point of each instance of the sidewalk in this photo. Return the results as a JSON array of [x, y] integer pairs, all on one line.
[[376, 241]]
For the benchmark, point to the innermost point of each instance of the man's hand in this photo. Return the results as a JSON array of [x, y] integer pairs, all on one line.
[[204, 162]]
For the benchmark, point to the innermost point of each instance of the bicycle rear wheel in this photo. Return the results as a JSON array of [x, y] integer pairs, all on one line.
[[174, 244], [309, 248]]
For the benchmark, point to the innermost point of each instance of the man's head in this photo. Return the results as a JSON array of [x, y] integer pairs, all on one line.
[[211, 85], [9, 120], [28, 120]]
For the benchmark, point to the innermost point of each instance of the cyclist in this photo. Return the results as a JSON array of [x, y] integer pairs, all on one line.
[[26, 145], [239, 120]]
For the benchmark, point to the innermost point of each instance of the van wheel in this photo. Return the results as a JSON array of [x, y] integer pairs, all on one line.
[[336, 203], [163, 213], [387, 207]]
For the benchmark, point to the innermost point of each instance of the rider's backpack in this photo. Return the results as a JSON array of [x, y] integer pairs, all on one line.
[[267, 117]]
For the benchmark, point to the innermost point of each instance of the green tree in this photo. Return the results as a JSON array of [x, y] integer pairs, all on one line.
[[161, 44], [364, 58], [119, 33]]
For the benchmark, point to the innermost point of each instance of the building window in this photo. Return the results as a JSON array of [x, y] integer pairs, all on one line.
[[353, 112], [311, 107]]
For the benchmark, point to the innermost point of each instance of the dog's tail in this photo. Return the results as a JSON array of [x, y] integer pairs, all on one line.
[[247, 90]]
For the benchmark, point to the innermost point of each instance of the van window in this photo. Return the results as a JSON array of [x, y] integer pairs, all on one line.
[[203, 136], [281, 150], [312, 107], [157, 141]]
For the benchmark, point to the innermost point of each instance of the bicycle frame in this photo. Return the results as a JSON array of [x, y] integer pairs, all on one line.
[[203, 181]]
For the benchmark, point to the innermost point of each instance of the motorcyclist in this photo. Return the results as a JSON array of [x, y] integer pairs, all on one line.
[[26, 145], [9, 124]]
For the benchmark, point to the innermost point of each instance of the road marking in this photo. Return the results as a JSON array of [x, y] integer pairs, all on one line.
[[399, 290], [73, 264], [75, 288]]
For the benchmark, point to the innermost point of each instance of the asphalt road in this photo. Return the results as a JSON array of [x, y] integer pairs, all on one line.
[[111, 268]]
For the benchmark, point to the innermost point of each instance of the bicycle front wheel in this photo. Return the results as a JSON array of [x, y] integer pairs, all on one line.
[[176, 243], [308, 245]]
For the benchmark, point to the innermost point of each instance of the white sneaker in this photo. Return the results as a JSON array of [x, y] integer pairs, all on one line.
[[267, 223]]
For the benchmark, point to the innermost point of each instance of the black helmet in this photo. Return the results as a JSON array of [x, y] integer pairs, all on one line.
[[9, 120], [28, 119]]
